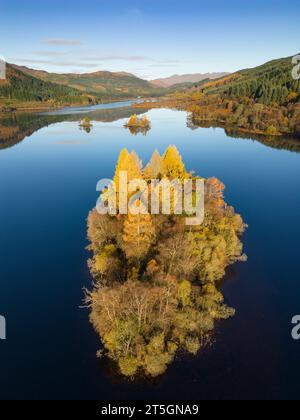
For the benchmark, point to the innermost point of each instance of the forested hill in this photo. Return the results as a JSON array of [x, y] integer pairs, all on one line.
[[264, 100], [271, 83], [103, 84], [21, 87]]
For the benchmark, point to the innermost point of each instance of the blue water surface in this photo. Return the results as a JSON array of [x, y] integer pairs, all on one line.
[[47, 188]]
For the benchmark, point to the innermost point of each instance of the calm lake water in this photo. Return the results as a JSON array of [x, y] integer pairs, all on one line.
[[47, 187]]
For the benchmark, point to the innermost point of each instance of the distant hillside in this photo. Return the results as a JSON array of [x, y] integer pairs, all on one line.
[[264, 100], [187, 86], [186, 78], [104, 84], [267, 84], [22, 87]]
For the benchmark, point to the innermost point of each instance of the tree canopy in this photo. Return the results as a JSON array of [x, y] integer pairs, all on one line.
[[155, 279]]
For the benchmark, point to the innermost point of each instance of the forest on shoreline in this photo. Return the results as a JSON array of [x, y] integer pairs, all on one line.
[[264, 101]]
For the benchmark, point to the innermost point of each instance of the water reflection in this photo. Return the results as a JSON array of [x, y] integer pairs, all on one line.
[[47, 190], [15, 127], [134, 131], [289, 143], [86, 129], [282, 143]]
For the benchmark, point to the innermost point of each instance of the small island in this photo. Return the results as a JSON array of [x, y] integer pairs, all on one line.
[[156, 280], [138, 125], [86, 124]]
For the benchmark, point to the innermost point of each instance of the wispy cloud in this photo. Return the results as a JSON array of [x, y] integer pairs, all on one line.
[[137, 58], [32, 61], [57, 63], [62, 42], [94, 56], [66, 60], [49, 53], [117, 58]]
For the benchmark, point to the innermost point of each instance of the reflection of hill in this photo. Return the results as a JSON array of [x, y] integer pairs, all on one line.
[[106, 115], [283, 143], [15, 127]]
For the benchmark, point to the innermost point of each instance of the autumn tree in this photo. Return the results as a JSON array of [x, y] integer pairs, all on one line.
[[214, 194], [138, 234], [173, 164], [103, 230], [154, 292], [137, 160], [132, 121], [155, 168], [106, 266], [121, 165], [130, 164], [145, 121]]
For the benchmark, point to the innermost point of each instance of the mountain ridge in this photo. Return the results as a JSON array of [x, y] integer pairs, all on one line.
[[20, 87], [103, 84], [30, 70], [177, 79]]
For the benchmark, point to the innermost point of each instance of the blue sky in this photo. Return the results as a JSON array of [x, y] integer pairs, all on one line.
[[149, 38]]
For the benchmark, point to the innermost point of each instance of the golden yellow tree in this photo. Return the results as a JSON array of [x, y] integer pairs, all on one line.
[[121, 165], [136, 159], [127, 163], [155, 168], [174, 164], [132, 121]]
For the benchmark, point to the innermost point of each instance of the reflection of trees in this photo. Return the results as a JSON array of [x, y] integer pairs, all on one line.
[[138, 125], [276, 142], [87, 129], [14, 127], [155, 279], [283, 142], [139, 130]]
